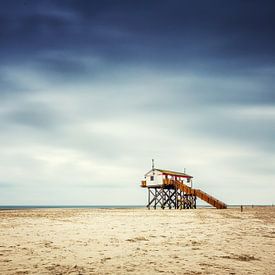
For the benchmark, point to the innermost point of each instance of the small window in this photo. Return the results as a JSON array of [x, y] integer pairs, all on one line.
[[151, 178]]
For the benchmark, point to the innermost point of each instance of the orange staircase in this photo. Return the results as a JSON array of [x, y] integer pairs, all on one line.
[[197, 192]]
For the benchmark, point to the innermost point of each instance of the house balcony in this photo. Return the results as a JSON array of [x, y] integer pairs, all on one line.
[[143, 183]]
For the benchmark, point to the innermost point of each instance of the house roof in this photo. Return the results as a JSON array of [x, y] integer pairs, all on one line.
[[169, 172]]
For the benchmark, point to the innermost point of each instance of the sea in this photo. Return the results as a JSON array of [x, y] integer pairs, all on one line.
[[6, 207]]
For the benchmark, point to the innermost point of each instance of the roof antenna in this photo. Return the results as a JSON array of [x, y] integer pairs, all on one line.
[[184, 170], [153, 166]]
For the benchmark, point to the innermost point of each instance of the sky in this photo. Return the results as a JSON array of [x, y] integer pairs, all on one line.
[[91, 91]]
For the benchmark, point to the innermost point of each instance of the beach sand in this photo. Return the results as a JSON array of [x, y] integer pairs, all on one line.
[[137, 241]]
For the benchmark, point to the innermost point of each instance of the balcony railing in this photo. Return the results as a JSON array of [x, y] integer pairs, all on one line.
[[143, 183]]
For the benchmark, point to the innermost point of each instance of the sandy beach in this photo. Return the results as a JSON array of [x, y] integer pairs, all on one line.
[[137, 241]]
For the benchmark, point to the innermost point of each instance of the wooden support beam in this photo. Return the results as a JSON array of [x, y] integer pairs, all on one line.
[[148, 205], [171, 197]]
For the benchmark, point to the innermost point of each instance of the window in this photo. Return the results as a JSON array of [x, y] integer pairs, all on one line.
[[151, 178]]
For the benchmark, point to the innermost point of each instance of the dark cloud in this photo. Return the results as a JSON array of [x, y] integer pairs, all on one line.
[[213, 35]]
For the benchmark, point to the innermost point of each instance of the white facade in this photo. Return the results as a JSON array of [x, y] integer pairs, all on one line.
[[155, 177]]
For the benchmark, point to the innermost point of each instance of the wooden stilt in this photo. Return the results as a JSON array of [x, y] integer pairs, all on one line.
[[171, 197], [148, 205]]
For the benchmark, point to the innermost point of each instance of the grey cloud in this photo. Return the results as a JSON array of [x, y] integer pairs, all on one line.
[[10, 87], [32, 118], [35, 115], [254, 134], [7, 185], [63, 67], [261, 164], [92, 186]]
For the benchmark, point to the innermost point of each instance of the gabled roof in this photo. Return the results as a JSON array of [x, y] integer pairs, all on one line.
[[169, 172]]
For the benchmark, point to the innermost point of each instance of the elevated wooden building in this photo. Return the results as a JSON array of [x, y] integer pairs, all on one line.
[[174, 190]]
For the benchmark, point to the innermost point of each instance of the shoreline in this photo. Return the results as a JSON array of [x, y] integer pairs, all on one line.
[[26, 207]]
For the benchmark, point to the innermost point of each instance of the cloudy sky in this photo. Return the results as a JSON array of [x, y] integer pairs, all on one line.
[[91, 91]]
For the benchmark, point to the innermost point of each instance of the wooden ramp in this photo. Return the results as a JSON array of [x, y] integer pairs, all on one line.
[[197, 192], [209, 199]]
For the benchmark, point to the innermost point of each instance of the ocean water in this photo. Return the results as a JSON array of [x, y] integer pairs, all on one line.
[[5, 207]]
